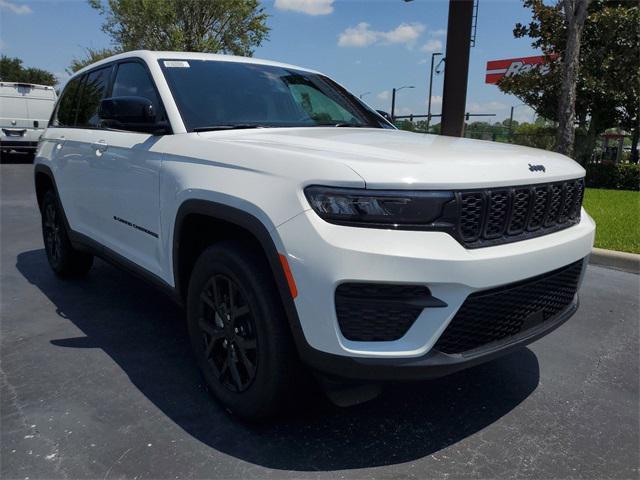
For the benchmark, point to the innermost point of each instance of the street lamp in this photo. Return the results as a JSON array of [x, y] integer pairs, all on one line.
[[433, 56], [393, 100], [511, 119], [362, 95]]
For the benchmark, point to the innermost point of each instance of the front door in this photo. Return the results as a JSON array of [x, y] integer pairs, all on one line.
[[129, 169]]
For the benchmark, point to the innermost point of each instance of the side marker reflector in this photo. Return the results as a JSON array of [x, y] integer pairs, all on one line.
[[289, 276]]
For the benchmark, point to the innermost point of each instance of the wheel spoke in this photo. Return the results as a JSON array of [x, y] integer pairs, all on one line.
[[246, 343], [208, 301], [235, 374], [240, 311], [211, 344], [223, 369], [250, 367], [232, 294], [211, 330]]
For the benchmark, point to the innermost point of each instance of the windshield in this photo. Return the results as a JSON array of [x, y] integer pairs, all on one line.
[[215, 95]]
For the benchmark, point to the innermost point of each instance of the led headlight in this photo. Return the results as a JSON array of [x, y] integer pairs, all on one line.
[[378, 208]]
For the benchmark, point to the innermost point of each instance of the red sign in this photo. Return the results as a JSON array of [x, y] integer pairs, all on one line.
[[496, 69]]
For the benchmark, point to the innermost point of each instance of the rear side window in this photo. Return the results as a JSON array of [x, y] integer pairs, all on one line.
[[67, 108], [133, 80], [93, 91]]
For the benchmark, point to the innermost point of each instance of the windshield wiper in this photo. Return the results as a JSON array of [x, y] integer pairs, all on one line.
[[341, 124], [237, 126]]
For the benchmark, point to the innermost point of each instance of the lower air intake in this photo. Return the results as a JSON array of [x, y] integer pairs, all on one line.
[[493, 315]]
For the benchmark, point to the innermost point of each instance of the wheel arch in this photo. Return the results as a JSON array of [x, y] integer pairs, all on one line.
[[43, 181], [240, 221]]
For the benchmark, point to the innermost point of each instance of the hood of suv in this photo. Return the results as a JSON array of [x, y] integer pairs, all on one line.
[[398, 159]]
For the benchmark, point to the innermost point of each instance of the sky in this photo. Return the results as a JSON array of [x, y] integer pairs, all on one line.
[[369, 46]]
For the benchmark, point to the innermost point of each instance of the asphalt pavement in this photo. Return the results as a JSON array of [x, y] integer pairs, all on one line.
[[97, 381]]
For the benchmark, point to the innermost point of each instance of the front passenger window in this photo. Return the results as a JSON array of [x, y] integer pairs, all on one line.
[[132, 80]]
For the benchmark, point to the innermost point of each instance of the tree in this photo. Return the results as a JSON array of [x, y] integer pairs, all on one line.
[[91, 56], [575, 14], [224, 26], [608, 80], [11, 70]]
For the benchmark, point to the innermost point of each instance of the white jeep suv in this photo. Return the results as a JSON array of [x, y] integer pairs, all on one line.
[[298, 227]]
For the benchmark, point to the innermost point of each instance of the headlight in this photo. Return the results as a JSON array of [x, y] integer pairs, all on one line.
[[381, 208]]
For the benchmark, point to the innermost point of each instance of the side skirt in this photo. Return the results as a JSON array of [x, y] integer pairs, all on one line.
[[86, 244]]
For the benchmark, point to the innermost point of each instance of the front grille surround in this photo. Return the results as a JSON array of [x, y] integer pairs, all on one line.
[[503, 215], [491, 316]]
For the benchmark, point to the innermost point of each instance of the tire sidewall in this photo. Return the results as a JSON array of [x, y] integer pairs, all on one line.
[[70, 263], [50, 198]]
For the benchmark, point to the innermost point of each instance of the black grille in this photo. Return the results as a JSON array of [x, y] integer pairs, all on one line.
[[493, 315], [503, 215], [378, 312]]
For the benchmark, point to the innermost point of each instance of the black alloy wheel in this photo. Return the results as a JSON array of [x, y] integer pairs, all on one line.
[[229, 333], [51, 229], [64, 259]]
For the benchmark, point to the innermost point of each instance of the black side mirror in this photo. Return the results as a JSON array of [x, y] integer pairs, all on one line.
[[384, 114], [130, 113]]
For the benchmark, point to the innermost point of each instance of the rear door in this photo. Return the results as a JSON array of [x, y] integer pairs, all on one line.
[[60, 145], [82, 160], [128, 171]]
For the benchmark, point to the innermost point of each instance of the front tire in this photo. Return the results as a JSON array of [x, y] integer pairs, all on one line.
[[64, 260], [239, 332]]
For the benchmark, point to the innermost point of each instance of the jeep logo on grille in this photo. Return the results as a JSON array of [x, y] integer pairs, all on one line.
[[537, 168]]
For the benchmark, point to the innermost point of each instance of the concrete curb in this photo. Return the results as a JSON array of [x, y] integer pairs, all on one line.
[[629, 262]]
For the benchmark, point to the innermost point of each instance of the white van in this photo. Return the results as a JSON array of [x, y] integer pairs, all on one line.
[[25, 110]]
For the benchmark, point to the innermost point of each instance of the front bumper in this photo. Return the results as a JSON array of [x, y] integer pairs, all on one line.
[[322, 256], [433, 364]]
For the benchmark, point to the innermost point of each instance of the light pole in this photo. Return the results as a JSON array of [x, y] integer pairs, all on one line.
[[433, 56], [362, 95], [393, 100], [511, 120]]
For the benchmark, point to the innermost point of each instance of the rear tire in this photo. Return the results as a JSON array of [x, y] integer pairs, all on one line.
[[239, 332], [65, 261]]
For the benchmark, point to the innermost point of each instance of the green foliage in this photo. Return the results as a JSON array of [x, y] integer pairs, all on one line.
[[531, 135], [216, 26], [617, 216], [538, 135], [608, 89], [12, 70], [609, 175], [91, 56], [406, 125]]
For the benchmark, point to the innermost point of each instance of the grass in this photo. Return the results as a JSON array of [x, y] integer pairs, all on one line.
[[617, 216]]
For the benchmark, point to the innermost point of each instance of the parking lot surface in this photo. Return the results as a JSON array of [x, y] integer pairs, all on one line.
[[98, 382]]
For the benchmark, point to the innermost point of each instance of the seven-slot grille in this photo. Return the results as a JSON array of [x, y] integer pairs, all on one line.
[[493, 315], [502, 215]]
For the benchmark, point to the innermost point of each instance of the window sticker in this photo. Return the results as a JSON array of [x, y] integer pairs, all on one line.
[[176, 64]]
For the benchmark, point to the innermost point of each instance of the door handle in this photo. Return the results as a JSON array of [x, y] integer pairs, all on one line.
[[100, 147], [60, 142]]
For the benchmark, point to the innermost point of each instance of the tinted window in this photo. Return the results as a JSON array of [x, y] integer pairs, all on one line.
[[214, 93], [93, 90], [133, 80], [66, 112]]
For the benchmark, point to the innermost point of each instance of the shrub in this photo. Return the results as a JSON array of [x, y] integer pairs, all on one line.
[[536, 136], [609, 175]]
